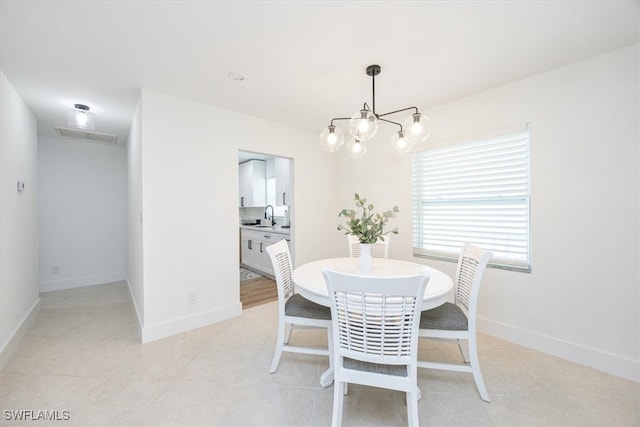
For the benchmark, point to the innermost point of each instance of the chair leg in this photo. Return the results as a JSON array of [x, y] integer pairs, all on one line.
[[475, 369], [338, 403], [330, 348], [279, 344], [412, 408]]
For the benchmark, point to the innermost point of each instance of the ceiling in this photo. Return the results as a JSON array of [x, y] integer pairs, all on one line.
[[304, 61]]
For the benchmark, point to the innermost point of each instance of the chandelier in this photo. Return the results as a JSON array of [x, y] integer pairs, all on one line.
[[363, 125]]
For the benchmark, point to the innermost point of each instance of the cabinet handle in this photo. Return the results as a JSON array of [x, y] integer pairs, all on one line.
[[284, 198], [260, 247], [266, 236], [242, 201], [249, 244]]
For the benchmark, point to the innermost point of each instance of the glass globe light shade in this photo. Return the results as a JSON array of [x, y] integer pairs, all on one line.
[[418, 128], [356, 148], [363, 125], [332, 138], [400, 143]]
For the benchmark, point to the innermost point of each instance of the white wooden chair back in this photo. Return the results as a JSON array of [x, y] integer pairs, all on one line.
[[380, 249], [471, 265], [375, 334], [282, 268]]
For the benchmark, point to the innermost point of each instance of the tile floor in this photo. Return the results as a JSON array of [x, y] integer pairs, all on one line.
[[81, 356]]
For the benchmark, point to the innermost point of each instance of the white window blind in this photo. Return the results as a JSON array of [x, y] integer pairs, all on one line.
[[477, 192]]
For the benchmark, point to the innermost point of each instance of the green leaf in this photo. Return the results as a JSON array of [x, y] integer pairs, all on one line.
[[366, 225]]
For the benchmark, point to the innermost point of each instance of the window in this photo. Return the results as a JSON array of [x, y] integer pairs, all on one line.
[[476, 191]]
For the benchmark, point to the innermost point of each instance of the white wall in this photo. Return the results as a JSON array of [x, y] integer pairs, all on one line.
[[580, 302], [190, 210], [134, 215], [19, 301], [82, 212]]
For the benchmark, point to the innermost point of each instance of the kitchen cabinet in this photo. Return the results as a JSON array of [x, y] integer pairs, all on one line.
[[261, 256], [253, 252], [253, 185], [246, 248], [283, 181]]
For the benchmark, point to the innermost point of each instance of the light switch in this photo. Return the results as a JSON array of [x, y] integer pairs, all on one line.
[[20, 185]]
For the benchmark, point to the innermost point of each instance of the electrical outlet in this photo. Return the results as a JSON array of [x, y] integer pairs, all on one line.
[[54, 269], [192, 298]]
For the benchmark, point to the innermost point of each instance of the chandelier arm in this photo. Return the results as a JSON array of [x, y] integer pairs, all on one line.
[[398, 111], [339, 118], [389, 121]]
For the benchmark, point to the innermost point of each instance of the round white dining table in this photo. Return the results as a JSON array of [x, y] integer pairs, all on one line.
[[309, 281]]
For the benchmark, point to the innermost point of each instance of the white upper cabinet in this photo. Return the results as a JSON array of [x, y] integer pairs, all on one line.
[[253, 185], [283, 181]]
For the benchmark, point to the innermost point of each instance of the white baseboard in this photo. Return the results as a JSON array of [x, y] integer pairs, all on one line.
[[186, 323], [18, 333], [181, 324], [78, 282], [607, 362]]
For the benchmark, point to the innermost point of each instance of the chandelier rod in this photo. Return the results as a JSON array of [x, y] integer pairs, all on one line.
[[373, 87]]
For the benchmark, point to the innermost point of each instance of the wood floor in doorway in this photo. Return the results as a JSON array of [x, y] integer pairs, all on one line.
[[257, 291]]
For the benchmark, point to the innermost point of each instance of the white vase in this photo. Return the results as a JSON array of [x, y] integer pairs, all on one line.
[[365, 258]]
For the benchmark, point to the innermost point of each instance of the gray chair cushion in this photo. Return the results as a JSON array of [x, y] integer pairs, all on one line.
[[448, 317], [299, 306], [358, 365]]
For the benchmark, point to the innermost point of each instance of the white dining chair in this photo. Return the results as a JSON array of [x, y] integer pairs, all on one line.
[[294, 309], [375, 334], [380, 249], [457, 320]]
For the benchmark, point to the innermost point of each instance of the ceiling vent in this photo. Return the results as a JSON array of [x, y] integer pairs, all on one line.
[[83, 134]]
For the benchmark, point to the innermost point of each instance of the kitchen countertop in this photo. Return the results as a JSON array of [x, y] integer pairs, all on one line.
[[275, 229]]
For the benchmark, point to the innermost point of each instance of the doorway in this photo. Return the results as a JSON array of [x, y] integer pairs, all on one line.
[[266, 205]]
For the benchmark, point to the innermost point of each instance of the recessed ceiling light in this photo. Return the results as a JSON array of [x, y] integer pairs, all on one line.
[[236, 76]]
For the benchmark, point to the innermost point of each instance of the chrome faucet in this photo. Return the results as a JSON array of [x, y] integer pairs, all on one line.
[[265, 214]]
